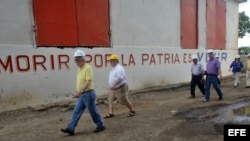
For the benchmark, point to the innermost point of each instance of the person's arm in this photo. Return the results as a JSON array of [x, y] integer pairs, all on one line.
[[241, 64], [85, 86], [112, 87], [88, 79], [120, 75], [220, 74], [218, 66], [230, 67]]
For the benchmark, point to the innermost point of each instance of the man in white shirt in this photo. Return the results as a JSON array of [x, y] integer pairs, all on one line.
[[197, 71], [118, 87]]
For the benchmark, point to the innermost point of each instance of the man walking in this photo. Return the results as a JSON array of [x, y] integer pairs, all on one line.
[[248, 71], [235, 67], [85, 95], [212, 72], [197, 71], [118, 87]]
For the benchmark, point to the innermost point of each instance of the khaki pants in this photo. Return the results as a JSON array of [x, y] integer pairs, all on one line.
[[236, 78], [120, 94], [248, 78]]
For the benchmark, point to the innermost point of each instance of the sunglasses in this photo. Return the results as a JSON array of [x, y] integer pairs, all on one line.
[[77, 60]]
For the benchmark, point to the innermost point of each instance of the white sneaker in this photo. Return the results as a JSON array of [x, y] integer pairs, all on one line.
[[205, 100]]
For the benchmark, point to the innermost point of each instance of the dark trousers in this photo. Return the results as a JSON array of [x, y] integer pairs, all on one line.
[[212, 79], [197, 80]]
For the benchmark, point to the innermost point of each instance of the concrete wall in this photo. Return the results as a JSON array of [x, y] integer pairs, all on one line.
[[143, 23], [232, 17], [40, 76], [202, 28], [15, 22], [145, 35]]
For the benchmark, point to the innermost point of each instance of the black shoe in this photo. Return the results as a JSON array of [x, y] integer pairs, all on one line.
[[99, 129], [192, 96], [67, 131], [220, 98]]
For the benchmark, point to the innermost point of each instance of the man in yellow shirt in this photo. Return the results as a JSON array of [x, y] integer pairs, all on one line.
[[248, 72], [86, 96]]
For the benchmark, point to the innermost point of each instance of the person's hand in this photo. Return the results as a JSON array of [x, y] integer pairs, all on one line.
[[77, 95], [112, 87], [202, 81], [221, 78]]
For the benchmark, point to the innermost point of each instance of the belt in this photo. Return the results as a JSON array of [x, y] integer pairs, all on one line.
[[196, 74], [120, 86], [213, 74], [87, 91]]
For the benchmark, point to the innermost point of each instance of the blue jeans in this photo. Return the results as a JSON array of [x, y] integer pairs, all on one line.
[[86, 100], [212, 79]]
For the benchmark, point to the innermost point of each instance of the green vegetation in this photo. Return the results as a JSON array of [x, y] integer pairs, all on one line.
[[244, 24], [244, 50], [244, 28]]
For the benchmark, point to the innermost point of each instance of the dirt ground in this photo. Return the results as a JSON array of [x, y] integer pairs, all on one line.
[[163, 114]]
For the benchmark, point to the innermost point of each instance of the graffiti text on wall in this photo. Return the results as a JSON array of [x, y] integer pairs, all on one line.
[[25, 63]]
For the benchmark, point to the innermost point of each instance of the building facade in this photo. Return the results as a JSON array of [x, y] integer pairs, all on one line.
[[154, 39]]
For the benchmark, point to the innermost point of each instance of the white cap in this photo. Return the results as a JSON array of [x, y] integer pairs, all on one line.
[[210, 51], [248, 54], [237, 56], [79, 53], [194, 57]]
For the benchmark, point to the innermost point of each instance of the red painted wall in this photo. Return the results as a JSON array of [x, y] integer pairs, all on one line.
[[189, 24], [72, 22], [55, 22], [216, 24]]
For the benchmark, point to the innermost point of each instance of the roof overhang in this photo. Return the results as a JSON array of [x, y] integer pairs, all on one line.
[[240, 1]]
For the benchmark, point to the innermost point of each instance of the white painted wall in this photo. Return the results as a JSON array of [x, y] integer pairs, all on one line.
[[144, 67], [202, 24], [145, 23], [15, 22], [232, 18], [142, 33]]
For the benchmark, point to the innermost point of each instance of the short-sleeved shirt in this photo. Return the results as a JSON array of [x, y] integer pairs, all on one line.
[[116, 73], [197, 69], [84, 74], [213, 65], [236, 65]]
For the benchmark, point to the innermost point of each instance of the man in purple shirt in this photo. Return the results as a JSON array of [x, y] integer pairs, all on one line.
[[212, 72]]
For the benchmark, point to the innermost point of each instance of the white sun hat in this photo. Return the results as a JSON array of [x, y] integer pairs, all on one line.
[[210, 51], [79, 53], [194, 57]]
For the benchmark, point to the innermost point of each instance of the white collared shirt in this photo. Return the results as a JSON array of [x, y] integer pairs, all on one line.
[[116, 73], [196, 69]]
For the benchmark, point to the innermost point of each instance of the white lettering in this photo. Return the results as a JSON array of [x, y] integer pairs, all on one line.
[[236, 132]]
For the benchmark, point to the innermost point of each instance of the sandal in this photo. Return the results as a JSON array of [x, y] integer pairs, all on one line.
[[131, 114], [109, 116]]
